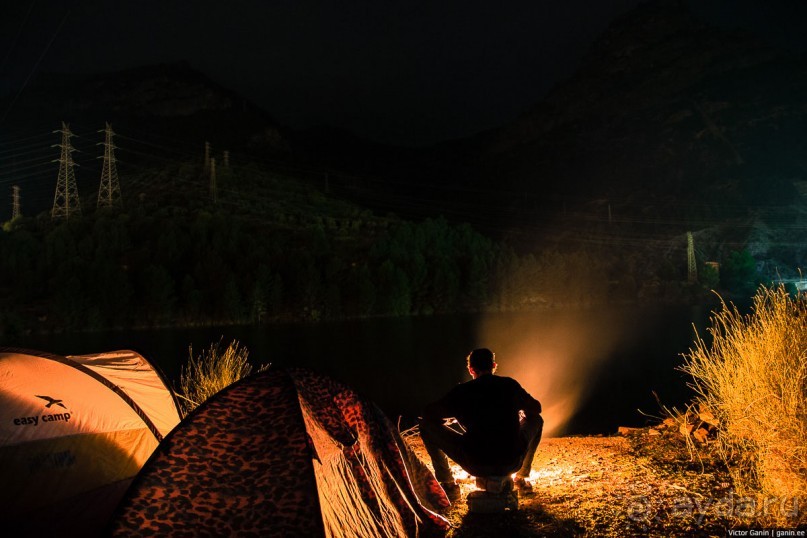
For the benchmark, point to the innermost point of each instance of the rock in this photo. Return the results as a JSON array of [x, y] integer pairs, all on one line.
[[489, 503], [686, 429], [706, 416], [700, 435]]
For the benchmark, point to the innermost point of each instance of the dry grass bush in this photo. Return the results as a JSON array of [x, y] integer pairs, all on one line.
[[753, 377], [211, 371]]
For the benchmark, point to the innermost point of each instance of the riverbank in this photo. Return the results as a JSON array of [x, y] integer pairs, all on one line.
[[645, 483]]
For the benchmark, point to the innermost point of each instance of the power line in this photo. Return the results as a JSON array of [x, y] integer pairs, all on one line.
[[17, 36], [33, 69]]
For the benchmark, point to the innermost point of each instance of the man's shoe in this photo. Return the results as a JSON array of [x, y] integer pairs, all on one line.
[[522, 485], [452, 490]]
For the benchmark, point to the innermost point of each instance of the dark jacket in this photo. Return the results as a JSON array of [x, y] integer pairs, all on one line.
[[488, 409]]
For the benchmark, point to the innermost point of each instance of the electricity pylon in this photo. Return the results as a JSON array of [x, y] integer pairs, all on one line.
[[692, 268], [66, 200], [109, 191], [15, 208], [214, 191]]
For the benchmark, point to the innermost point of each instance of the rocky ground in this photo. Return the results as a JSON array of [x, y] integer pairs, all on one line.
[[646, 482]]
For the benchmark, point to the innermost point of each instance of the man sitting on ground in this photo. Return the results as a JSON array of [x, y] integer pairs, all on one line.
[[496, 439]]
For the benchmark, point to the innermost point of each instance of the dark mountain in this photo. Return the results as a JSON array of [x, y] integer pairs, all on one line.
[[172, 100], [666, 114], [669, 125]]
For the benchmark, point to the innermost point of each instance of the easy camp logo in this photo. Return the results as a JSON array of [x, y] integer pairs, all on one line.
[[49, 402]]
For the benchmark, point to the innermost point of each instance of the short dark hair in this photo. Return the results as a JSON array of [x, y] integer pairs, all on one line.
[[481, 360]]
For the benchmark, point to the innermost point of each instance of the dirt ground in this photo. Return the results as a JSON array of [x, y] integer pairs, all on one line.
[[647, 482]]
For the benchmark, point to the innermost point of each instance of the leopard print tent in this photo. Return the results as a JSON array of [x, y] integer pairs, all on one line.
[[283, 453]]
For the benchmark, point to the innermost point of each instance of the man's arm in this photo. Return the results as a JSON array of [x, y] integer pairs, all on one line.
[[529, 405], [436, 411], [441, 409]]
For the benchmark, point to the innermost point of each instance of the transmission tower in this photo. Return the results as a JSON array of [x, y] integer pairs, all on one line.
[[109, 191], [692, 268], [66, 200], [206, 163], [15, 208], [214, 192]]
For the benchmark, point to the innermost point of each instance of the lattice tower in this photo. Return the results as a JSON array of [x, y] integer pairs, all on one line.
[[15, 208], [66, 201], [109, 191], [214, 191]]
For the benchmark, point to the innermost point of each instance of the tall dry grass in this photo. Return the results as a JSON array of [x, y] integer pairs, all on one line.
[[753, 377], [211, 371]]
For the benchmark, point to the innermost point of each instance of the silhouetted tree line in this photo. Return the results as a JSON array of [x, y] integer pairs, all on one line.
[[200, 267], [185, 267]]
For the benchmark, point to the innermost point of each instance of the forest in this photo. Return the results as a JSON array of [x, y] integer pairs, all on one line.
[[294, 252]]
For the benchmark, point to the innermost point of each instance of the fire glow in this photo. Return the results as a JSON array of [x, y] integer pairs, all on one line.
[[555, 356], [548, 476]]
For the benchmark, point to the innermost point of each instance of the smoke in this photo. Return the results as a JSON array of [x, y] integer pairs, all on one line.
[[556, 356]]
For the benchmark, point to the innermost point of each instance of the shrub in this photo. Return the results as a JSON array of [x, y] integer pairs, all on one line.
[[212, 371], [739, 273], [753, 377]]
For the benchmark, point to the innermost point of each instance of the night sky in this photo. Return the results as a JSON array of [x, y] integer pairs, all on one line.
[[410, 73]]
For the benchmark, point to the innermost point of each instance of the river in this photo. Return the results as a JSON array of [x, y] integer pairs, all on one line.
[[592, 369]]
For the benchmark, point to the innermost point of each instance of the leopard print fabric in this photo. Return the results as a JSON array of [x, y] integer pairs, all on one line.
[[408, 483], [241, 464]]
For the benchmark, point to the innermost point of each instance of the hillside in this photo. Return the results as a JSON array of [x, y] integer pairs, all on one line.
[[668, 107], [256, 246], [669, 125]]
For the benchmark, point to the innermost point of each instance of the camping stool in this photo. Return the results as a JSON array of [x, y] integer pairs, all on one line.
[[495, 495]]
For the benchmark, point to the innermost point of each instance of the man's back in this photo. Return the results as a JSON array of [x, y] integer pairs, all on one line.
[[488, 409]]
